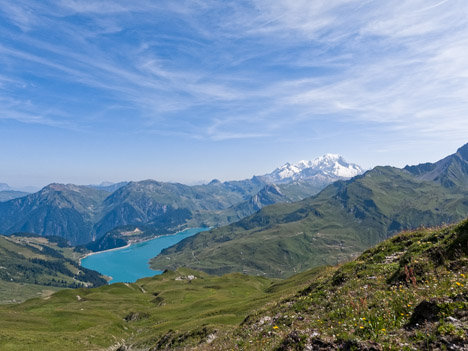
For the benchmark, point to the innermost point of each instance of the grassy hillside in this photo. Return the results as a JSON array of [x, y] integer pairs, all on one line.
[[408, 293], [11, 292], [174, 309], [32, 265], [270, 194], [334, 226]]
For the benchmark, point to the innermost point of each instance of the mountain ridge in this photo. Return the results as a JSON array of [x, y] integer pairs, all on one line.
[[342, 220], [451, 171]]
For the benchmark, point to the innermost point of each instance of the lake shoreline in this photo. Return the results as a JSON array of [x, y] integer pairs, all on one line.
[[137, 241], [126, 266], [98, 252]]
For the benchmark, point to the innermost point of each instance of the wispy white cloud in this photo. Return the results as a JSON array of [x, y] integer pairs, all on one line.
[[23, 111], [20, 14], [401, 65]]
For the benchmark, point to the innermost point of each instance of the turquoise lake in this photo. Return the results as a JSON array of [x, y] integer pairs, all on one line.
[[132, 263]]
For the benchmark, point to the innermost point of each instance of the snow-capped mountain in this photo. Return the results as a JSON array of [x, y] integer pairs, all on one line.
[[325, 169]]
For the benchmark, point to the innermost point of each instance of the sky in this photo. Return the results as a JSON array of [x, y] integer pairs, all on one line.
[[189, 91]]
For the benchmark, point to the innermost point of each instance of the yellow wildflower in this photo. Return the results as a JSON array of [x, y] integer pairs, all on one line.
[[275, 327]]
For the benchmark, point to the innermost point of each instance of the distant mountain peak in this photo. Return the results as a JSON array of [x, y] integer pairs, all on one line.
[[329, 157], [463, 152], [4, 186], [106, 183], [325, 169], [61, 187], [450, 171], [108, 186]]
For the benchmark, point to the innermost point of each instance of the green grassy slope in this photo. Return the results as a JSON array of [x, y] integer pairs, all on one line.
[[408, 293], [11, 292], [168, 310], [334, 226], [32, 265], [270, 194]]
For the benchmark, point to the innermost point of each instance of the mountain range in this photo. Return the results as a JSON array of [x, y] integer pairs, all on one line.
[[82, 214], [333, 226], [7, 193]]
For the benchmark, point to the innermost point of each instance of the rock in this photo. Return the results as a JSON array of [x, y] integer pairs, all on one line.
[[263, 320], [458, 324], [426, 311], [136, 316]]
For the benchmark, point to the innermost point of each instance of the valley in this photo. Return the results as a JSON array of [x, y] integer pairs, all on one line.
[[116, 215]]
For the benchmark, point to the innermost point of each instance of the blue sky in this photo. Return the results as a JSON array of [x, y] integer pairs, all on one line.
[[195, 90]]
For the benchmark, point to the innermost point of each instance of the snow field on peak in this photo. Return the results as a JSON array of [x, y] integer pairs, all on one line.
[[332, 166]]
